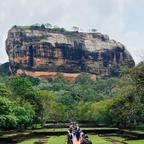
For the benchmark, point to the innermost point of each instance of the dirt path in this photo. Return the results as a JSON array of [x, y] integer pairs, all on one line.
[[75, 141]]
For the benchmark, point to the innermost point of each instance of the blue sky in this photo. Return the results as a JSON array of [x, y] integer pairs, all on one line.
[[122, 20]]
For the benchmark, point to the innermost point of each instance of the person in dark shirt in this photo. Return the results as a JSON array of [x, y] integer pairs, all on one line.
[[77, 133], [86, 141], [70, 137]]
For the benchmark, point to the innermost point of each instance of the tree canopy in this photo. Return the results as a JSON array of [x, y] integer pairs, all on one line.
[[116, 101]]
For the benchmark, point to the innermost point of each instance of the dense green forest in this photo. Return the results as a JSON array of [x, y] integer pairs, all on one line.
[[26, 101]]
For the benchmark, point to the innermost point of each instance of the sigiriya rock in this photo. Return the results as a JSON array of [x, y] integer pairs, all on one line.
[[43, 53]]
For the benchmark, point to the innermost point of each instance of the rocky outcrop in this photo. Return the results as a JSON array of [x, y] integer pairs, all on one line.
[[44, 53]]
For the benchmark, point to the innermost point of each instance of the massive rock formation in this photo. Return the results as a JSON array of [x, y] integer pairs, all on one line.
[[43, 53]]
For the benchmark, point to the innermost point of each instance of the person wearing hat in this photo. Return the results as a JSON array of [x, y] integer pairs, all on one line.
[[77, 132], [86, 141]]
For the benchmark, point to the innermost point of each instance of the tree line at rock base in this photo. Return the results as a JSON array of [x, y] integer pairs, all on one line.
[[26, 101]]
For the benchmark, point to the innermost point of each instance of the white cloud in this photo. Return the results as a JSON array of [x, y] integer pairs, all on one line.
[[134, 42], [108, 16]]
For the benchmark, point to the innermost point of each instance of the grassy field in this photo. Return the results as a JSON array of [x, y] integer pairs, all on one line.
[[136, 131], [94, 138], [61, 139], [57, 140], [47, 130], [47, 140], [66, 129], [128, 142], [31, 141], [13, 134], [98, 140], [135, 142], [116, 138]]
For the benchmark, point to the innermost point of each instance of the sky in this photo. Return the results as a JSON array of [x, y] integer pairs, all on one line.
[[122, 20]]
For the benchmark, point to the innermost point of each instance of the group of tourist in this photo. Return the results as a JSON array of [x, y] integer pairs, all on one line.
[[75, 131]]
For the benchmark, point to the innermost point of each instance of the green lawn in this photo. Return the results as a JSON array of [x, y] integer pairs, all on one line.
[[47, 140], [116, 138], [66, 129], [51, 130], [57, 140], [98, 140], [103, 128], [8, 135], [137, 131], [94, 138], [31, 141], [123, 140], [13, 134], [61, 139], [135, 142], [63, 129]]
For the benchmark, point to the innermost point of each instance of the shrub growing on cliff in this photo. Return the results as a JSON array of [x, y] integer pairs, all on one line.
[[75, 28], [93, 30], [43, 27]]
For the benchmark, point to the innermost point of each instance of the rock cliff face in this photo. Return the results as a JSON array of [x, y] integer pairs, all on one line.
[[44, 53]]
